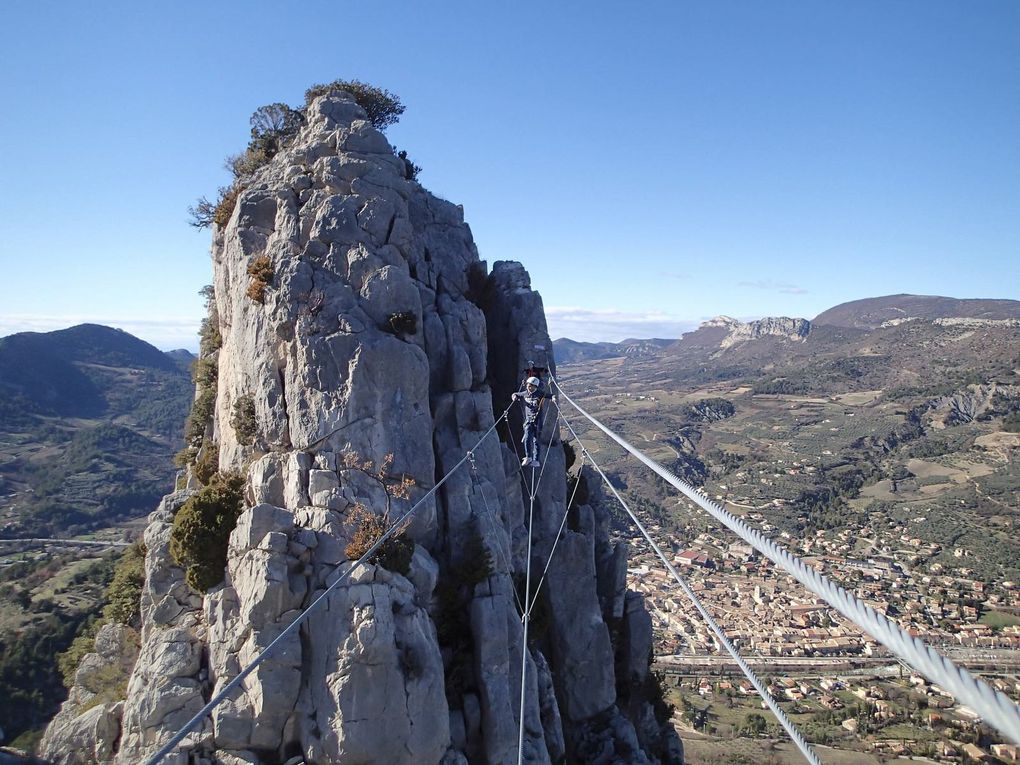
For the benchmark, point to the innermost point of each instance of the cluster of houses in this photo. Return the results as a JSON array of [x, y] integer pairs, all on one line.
[[764, 611], [884, 707]]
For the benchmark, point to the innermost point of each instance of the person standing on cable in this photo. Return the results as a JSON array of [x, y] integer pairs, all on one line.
[[533, 401]]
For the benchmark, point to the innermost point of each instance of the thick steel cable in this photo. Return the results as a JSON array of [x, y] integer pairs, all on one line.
[[563, 522], [526, 620], [528, 600], [996, 708], [791, 729], [492, 527], [292, 627]]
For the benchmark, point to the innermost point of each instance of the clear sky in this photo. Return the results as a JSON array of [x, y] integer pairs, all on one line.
[[652, 163]]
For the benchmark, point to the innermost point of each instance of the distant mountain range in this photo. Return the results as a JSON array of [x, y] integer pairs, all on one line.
[[48, 373], [904, 409], [569, 351], [871, 313], [857, 316], [89, 417]]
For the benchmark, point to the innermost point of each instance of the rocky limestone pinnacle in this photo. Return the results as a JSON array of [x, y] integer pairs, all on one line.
[[380, 332]]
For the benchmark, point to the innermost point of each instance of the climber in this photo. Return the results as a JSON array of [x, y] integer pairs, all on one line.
[[532, 400]]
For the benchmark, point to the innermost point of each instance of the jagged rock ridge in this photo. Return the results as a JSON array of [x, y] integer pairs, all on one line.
[[380, 333], [778, 326]]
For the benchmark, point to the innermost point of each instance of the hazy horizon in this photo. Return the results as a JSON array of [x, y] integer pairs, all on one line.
[[651, 165]]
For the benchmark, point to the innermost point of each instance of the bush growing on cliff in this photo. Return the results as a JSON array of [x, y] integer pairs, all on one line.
[[209, 338], [272, 126], [404, 323], [124, 592], [394, 554], [411, 170], [383, 108], [200, 417], [261, 273], [201, 531], [207, 462], [204, 372], [243, 421], [205, 213]]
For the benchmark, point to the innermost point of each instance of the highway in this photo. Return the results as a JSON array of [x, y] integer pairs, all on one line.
[[990, 660], [36, 541]]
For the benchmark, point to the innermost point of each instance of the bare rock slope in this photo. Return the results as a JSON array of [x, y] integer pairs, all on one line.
[[380, 332]]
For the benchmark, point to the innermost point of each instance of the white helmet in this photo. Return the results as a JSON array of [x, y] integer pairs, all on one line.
[[533, 381]]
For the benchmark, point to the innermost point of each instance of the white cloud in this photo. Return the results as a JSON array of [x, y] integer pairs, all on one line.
[[783, 287], [166, 333], [611, 325]]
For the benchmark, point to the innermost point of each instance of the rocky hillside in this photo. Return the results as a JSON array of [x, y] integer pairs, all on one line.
[[570, 351], [871, 313], [359, 329], [89, 417]]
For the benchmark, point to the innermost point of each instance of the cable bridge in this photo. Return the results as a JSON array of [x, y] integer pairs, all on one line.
[[993, 706]]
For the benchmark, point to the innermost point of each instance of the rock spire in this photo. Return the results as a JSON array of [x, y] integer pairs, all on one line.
[[377, 331]]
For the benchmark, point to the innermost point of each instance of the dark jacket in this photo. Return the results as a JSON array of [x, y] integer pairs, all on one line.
[[534, 403]]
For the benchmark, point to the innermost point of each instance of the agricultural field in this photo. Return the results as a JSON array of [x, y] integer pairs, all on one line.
[[805, 462]]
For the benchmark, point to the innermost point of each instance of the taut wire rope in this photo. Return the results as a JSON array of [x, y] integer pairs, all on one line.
[[527, 583], [995, 707], [563, 521], [791, 729], [293, 626]]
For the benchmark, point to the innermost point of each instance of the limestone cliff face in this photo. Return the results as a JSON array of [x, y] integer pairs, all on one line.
[[777, 326], [381, 332]]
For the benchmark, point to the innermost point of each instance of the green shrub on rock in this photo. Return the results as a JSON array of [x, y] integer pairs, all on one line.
[[383, 108], [394, 554], [242, 420], [207, 462], [124, 593], [201, 530], [200, 417], [209, 336]]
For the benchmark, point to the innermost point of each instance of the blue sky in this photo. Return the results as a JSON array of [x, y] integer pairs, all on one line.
[[652, 163]]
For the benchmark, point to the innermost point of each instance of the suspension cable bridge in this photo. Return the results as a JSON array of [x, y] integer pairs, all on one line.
[[993, 706]]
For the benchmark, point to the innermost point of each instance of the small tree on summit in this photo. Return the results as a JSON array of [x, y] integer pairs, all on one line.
[[273, 121], [383, 108], [273, 126]]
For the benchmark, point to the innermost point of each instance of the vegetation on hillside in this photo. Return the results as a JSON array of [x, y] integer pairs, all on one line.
[[274, 126], [121, 605], [201, 530], [41, 617], [108, 472]]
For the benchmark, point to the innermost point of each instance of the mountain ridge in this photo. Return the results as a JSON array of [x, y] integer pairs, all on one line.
[[722, 332]]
